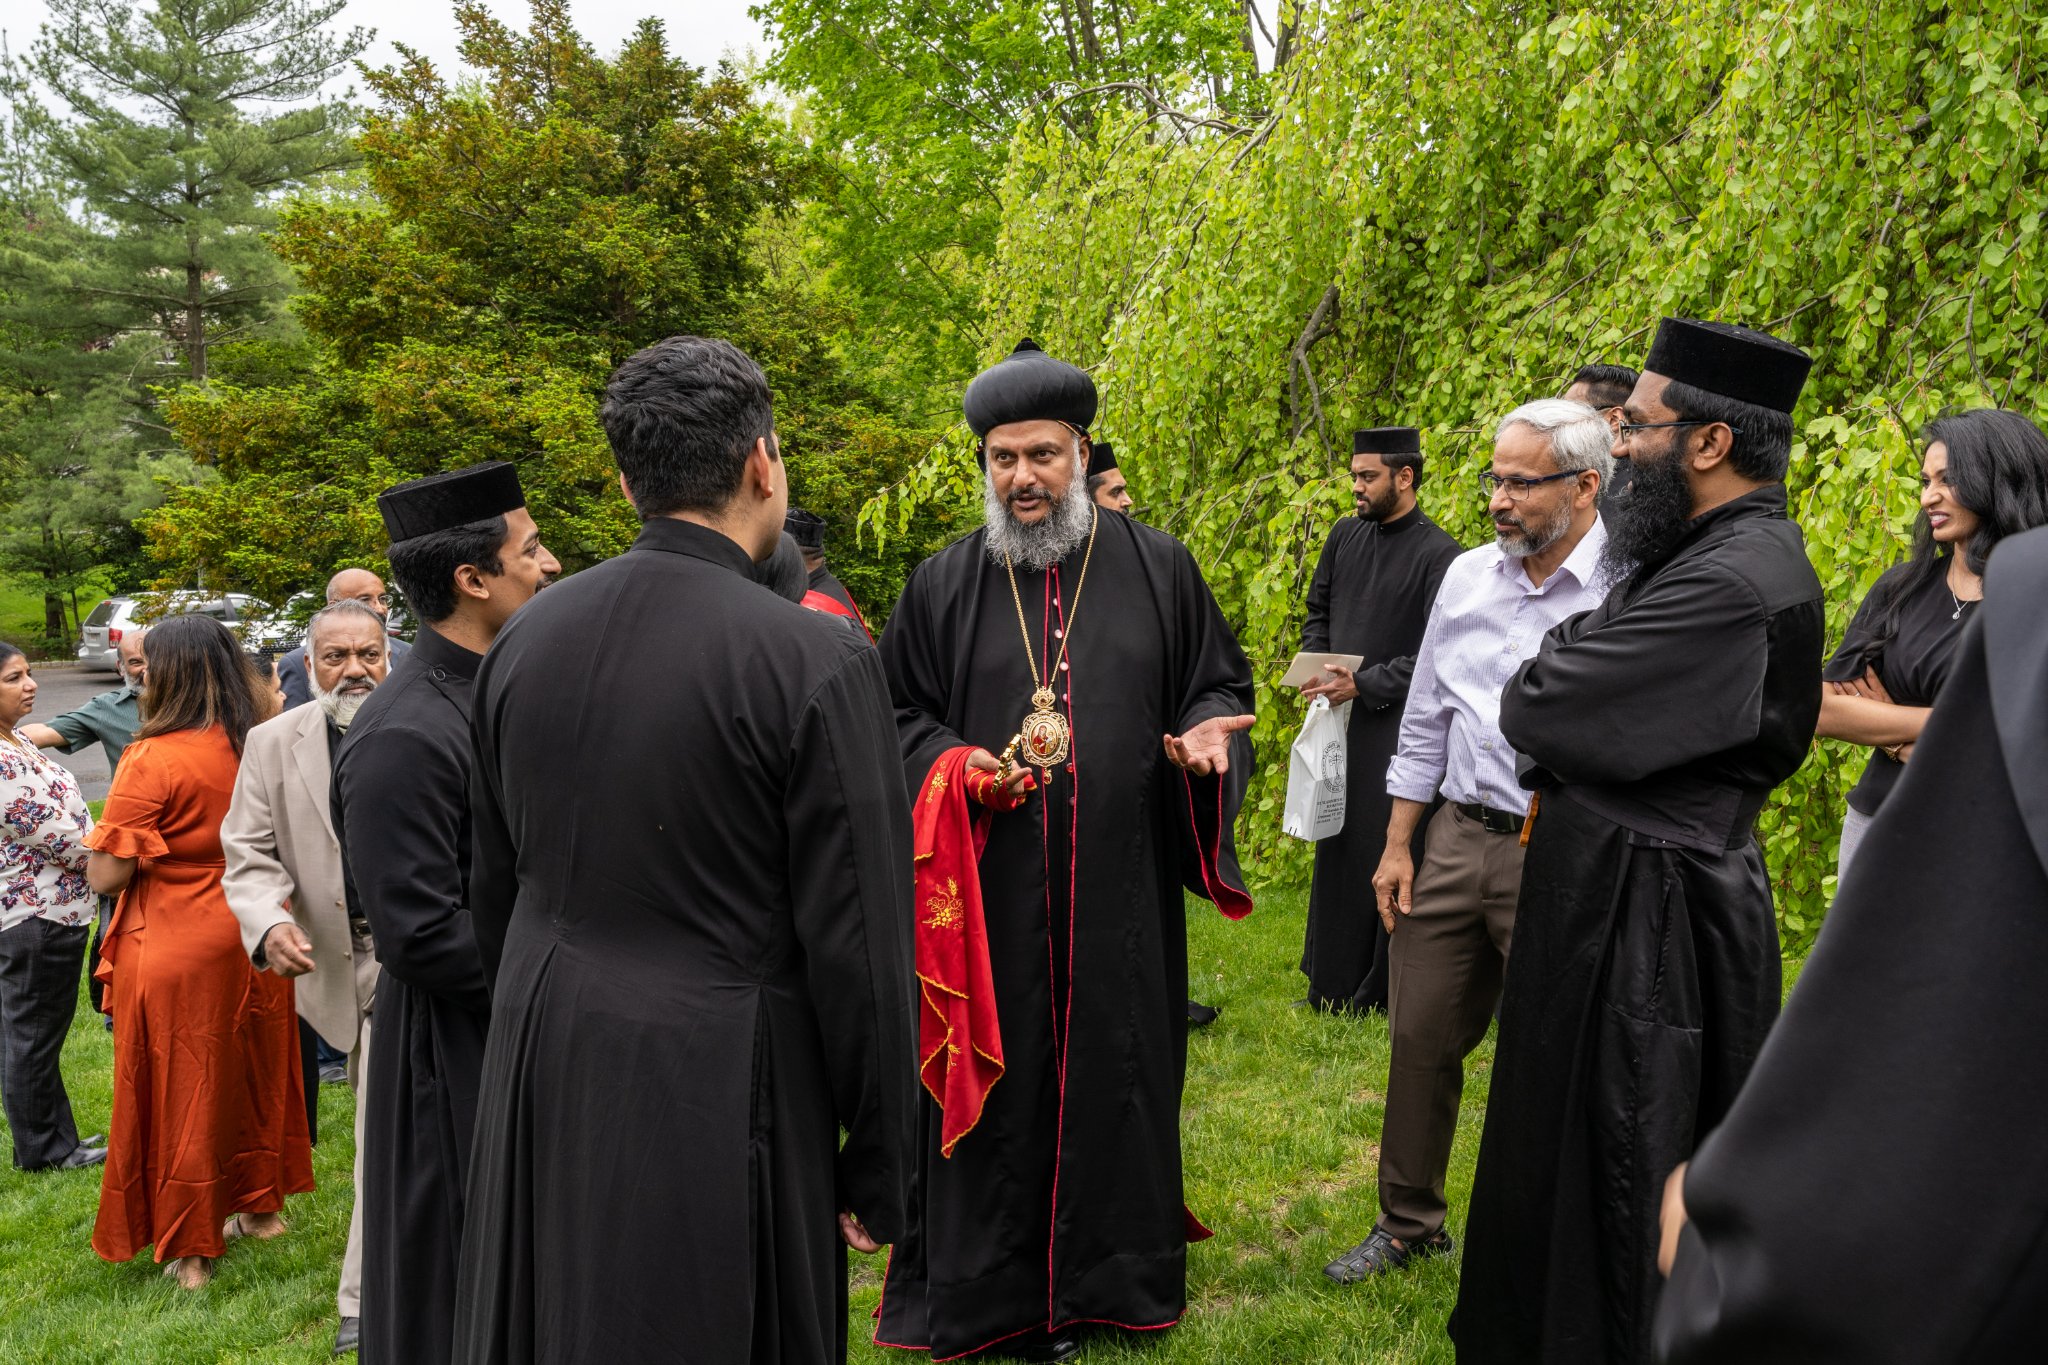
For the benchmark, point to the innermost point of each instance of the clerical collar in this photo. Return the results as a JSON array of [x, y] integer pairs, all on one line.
[[1771, 500], [1393, 525], [670, 536], [435, 650]]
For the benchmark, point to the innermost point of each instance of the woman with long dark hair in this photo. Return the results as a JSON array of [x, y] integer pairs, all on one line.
[[209, 1120], [1983, 477]]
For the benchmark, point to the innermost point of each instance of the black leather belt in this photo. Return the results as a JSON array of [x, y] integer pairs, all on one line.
[[1491, 820]]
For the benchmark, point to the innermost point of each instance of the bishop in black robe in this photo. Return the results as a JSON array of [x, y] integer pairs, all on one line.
[[401, 812], [1877, 1194], [1064, 1205], [1646, 969], [1371, 594], [692, 889]]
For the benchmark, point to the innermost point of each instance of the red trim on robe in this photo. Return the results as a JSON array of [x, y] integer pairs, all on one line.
[[1234, 902]]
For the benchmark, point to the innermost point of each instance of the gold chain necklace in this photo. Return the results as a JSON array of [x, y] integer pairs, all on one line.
[[1046, 733]]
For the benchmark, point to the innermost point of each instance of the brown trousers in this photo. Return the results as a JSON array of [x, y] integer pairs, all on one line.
[[1447, 961]]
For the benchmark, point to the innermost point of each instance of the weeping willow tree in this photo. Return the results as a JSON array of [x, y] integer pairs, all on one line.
[[1448, 209]]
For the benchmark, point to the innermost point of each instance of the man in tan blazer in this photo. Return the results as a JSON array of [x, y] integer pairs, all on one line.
[[283, 878]]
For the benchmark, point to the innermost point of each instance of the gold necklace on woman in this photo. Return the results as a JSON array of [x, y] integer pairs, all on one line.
[[1046, 734]]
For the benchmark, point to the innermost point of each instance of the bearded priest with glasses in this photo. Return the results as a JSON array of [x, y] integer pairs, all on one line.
[[1072, 708], [1646, 969]]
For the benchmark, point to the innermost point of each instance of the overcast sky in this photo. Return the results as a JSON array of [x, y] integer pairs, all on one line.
[[700, 31]]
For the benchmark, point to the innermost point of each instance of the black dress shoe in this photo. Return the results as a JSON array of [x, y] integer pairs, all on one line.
[[1377, 1255], [349, 1337], [1201, 1016], [1047, 1352], [81, 1157]]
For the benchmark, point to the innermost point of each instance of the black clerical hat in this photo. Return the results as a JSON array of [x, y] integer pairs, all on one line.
[[1734, 362], [441, 502], [807, 528], [1027, 385], [1101, 458], [1387, 441]]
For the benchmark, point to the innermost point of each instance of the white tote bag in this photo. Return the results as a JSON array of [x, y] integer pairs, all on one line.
[[1315, 773]]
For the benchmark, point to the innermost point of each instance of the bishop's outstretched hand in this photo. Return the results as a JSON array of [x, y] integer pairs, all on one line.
[[1205, 748]]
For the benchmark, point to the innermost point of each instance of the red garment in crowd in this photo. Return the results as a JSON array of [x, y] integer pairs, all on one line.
[[209, 1114], [960, 1041]]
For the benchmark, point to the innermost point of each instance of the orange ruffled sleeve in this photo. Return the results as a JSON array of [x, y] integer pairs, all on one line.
[[128, 827]]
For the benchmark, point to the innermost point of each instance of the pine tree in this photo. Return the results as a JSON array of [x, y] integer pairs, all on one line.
[[133, 242], [189, 120]]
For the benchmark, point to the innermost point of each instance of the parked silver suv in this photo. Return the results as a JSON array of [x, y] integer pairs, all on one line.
[[252, 620]]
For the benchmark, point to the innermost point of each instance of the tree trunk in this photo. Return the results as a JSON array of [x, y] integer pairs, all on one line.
[[195, 317], [1090, 42]]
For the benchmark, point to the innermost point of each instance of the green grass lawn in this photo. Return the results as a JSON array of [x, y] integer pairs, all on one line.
[[1283, 1118]]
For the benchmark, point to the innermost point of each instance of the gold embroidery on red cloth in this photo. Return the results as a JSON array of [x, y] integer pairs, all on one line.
[[944, 907]]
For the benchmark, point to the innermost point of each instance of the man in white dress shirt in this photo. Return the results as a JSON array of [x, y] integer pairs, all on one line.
[[1451, 923]]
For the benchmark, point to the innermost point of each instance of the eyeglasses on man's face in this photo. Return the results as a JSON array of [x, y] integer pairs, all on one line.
[[1628, 429], [1517, 487]]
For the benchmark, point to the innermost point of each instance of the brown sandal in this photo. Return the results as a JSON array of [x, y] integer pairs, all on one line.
[[233, 1228]]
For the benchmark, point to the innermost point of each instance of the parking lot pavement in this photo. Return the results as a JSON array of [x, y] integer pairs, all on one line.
[[61, 689]]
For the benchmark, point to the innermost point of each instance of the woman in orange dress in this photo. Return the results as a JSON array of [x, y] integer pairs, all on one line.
[[208, 1133]]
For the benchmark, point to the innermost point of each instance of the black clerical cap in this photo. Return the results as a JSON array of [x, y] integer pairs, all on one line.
[[1027, 385], [1101, 458], [807, 528], [441, 502], [1734, 362], [1387, 441]]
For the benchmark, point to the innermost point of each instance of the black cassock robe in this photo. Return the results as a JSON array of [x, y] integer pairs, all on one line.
[[1371, 595], [1064, 1203], [401, 811], [692, 889], [1877, 1195], [1646, 966]]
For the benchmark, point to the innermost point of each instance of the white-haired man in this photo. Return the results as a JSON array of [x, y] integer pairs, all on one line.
[[1451, 923], [284, 882]]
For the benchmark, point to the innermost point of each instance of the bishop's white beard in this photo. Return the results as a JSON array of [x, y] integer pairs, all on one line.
[[1045, 542], [341, 707]]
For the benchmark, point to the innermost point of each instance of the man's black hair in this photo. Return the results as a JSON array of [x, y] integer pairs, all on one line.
[[1404, 459], [425, 565], [682, 416], [1607, 386], [1763, 436]]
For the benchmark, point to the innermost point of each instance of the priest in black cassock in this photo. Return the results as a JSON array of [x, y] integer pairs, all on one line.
[[692, 892], [1106, 483], [1646, 968], [822, 589], [1095, 638], [467, 555], [1877, 1194], [1370, 596]]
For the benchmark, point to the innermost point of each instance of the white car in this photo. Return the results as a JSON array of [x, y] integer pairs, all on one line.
[[250, 618]]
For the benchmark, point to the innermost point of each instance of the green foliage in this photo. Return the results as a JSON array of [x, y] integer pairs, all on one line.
[[1450, 209], [131, 246], [73, 468], [517, 235], [914, 104], [172, 168]]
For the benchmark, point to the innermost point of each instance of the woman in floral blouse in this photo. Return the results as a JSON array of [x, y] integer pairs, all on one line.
[[46, 913]]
